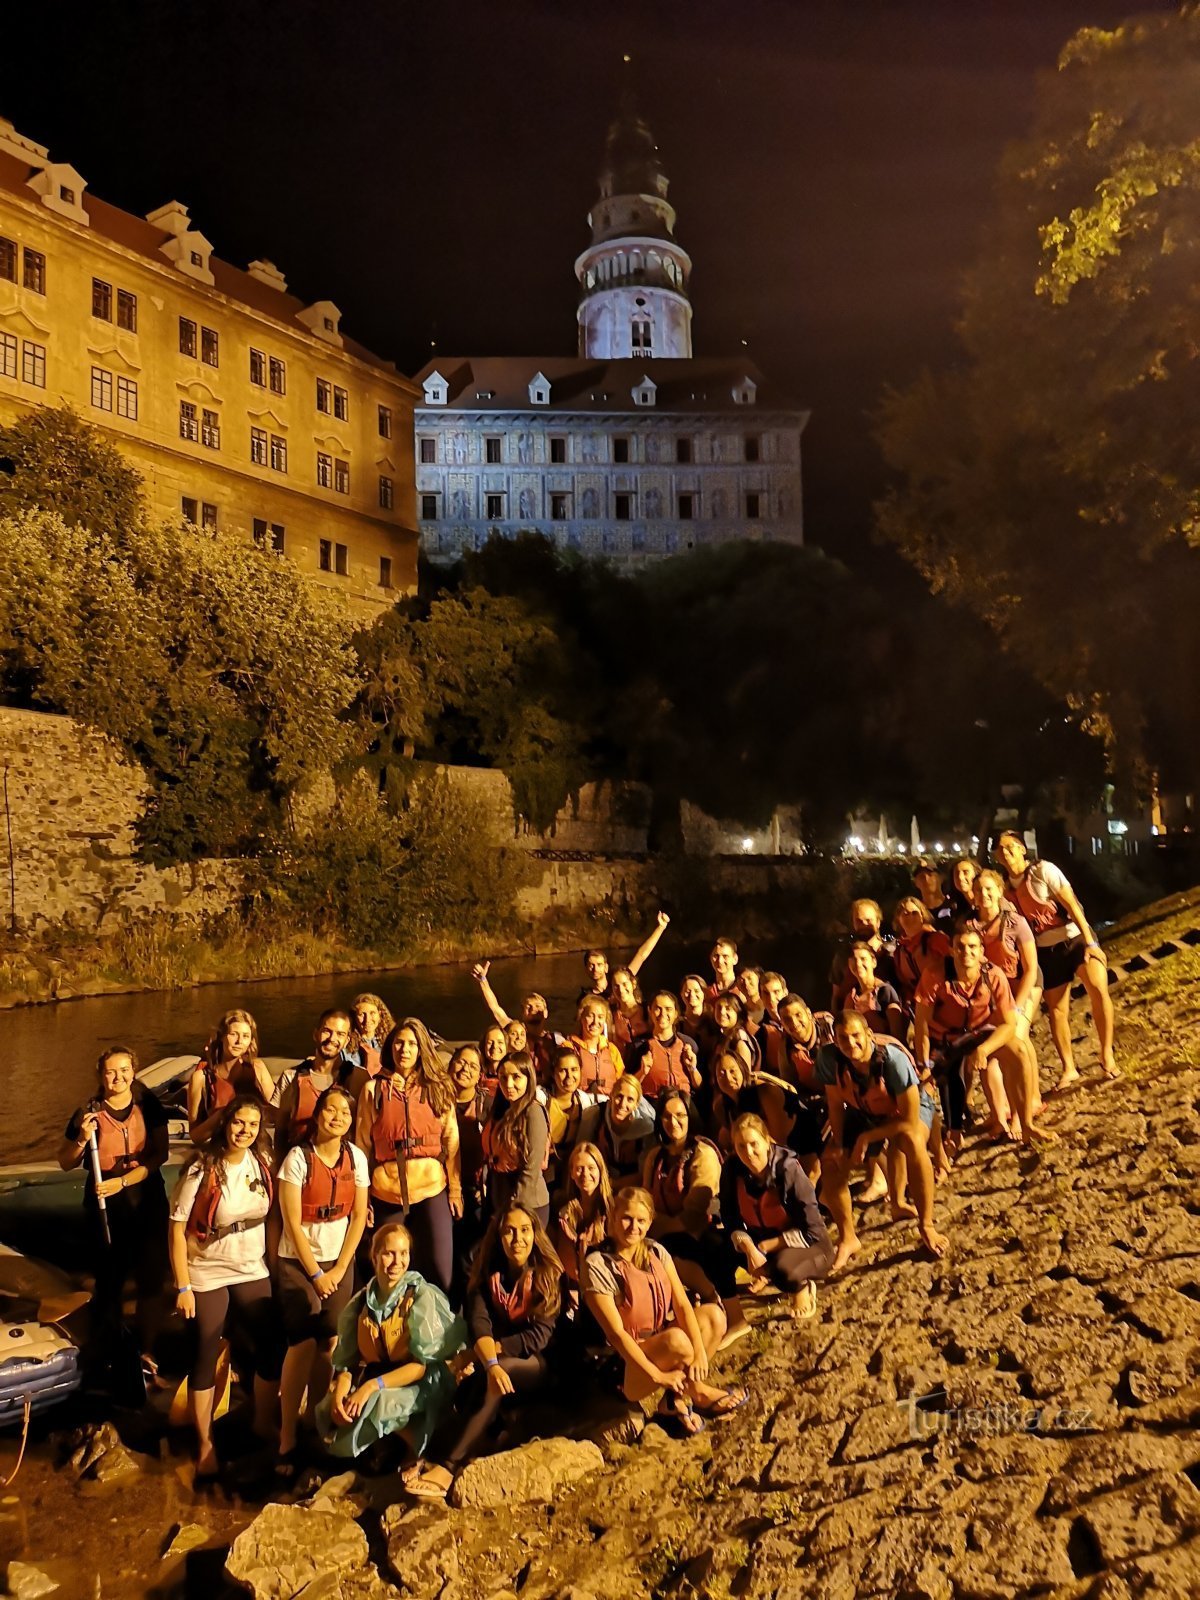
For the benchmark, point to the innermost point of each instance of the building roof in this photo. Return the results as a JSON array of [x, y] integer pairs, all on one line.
[[144, 238], [577, 383]]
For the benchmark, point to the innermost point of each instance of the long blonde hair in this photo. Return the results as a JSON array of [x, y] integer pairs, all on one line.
[[214, 1050], [622, 1202], [570, 1206]]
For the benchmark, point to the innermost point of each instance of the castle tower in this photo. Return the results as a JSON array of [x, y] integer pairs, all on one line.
[[633, 277]]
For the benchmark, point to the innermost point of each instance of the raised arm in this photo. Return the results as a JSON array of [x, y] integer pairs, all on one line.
[[480, 973], [646, 949]]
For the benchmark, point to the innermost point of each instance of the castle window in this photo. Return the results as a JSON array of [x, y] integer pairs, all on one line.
[[127, 310], [686, 507], [341, 560], [35, 271], [258, 448], [751, 448], [258, 368], [683, 450], [428, 452], [620, 448], [190, 509], [622, 507], [324, 470], [278, 376], [429, 508], [325, 555], [559, 507], [558, 451], [752, 505], [341, 404], [189, 427], [387, 493], [208, 515], [641, 335], [127, 399], [8, 355], [385, 572], [65, 194], [210, 430], [385, 422], [278, 453], [491, 451], [210, 347], [324, 395], [33, 364], [341, 477], [102, 389], [187, 337], [101, 300], [8, 260], [495, 507]]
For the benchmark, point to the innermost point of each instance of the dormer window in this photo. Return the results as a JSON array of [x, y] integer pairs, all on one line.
[[645, 393], [539, 390], [745, 393], [66, 195], [436, 389]]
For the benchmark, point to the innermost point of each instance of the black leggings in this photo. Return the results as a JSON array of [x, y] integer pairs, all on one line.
[[477, 1405], [948, 1076], [432, 1228], [789, 1269], [252, 1310], [137, 1220]]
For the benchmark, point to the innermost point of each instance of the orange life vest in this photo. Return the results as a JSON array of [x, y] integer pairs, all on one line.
[[598, 1069], [202, 1221], [669, 1179], [406, 1126], [503, 1160], [912, 958], [869, 1095], [665, 1070], [763, 1213], [645, 1306], [1003, 948], [327, 1194], [385, 1343], [120, 1143], [220, 1091], [1041, 915], [957, 1010]]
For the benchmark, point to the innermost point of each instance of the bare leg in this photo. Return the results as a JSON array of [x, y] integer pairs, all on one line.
[[921, 1178], [993, 1091], [293, 1380], [937, 1150], [877, 1184], [669, 1351], [835, 1192], [1094, 974], [898, 1200], [1058, 1008], [266, 1407]]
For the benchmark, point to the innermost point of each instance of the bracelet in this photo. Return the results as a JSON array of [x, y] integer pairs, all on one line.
[[184, 1288], [379, 1384], [319, 1273], [494, 1362]]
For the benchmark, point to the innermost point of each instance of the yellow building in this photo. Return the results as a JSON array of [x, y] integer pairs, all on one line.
[[241, 407]]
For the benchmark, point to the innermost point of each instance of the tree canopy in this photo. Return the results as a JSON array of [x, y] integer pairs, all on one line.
[[1050, 479]]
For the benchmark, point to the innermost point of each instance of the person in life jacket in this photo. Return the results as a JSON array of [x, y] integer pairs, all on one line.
[[394, 1340], [582, 1209], [472, 1107], [372, 1023], [965, 1025], [771, 1218], [867, 993], [596, 962], [623, 1127], [630, 1020], [634, 1293], [928, 882], [598, 1056], [693, 1011], [567, 1107], [130, 1125], [866, 927], [407, 1128], [299, 1088], [218, 1244], [516, 1142], [514, 1302], [229, 1065], [729, 1015], [1008, 943], [802, 1038], [541, 1040], [323, 1205], [664, 1058], [736, 1089], [723, 958], [1067, 949], [919, 946], [872, 1094], [774, 989]]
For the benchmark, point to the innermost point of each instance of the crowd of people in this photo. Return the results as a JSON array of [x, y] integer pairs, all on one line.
[[398, 1238]]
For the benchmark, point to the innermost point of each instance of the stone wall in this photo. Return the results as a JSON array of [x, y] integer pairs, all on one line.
[[69, 801]]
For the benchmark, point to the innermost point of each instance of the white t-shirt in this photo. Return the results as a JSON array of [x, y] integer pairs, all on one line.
[[325, 1239], [238, 1257], [1045, 882]]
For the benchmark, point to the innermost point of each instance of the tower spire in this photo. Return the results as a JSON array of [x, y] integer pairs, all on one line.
[[633, 277]]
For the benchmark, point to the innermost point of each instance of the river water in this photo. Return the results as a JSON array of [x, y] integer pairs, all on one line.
[[48, 1053]]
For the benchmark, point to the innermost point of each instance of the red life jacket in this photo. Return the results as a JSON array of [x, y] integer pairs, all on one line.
[[669, 1177], [627, 1028], [958, 1010], [773, 1043], [763, 1213], [1041, 915], [327, 1194], [911, 958], [871, 1095], [804, 1068], [514, 1304], [645, 1306], [597, 1069], [120, 1143], [665, 1070], [372, 1062], [865, 1004], [302, 1118], [1002, 948], [220, 1091], [501, 1160], [406, 1126], [202, 1221]]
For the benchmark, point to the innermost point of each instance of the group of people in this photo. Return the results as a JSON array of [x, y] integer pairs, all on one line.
[[399, 1237]]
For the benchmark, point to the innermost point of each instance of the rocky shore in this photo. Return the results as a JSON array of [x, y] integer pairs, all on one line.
[[1018, 1418]]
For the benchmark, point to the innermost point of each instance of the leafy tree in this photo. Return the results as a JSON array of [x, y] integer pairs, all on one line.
[[52, 460], [1050, 480]]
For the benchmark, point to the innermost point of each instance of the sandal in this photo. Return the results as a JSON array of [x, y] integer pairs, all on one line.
[[424, 1487], [804, 1303], [287, 1467], [681, 1420], [731, 1400]]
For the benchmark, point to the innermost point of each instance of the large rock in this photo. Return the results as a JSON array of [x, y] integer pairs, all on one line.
[[287, 1547], [537, 1471], [25, 1582]]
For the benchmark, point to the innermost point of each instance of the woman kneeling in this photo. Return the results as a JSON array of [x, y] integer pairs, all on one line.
[[514, 1298], [633, 1291], [394, 1339]]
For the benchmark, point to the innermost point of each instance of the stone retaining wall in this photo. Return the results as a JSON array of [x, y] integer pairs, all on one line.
[[68, 803]]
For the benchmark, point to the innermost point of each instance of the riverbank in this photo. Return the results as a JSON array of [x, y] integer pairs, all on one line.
[[1019, 1417]]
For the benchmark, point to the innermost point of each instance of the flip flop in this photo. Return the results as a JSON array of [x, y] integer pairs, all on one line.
[[681, 1421], [718, 1412], [423, 1488]]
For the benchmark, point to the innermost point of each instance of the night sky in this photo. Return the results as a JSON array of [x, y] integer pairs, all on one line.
[[429, 167]]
